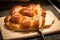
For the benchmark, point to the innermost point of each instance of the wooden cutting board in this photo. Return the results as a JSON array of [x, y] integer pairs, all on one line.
[[8, 34]]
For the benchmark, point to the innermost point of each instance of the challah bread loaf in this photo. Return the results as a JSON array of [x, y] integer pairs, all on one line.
[[25, 18]]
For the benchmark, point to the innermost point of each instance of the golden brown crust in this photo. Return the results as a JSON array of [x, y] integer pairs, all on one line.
[[25, 23], [15, 19], [35, 24], [15, 9], [24, 18], [27, 12], [31, 6]]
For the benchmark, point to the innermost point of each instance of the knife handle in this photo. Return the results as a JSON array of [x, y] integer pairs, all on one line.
[[41, 35]]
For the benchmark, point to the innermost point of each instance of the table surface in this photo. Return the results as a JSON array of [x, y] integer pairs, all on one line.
[[6, 6]]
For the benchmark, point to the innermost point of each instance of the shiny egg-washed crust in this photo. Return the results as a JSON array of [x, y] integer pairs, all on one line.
[[24, 18]]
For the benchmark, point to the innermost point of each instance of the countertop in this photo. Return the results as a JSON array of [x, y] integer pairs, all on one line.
[[6, 6]]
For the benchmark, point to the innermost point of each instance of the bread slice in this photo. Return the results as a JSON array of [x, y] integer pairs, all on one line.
[[49, 20], [39, 11]]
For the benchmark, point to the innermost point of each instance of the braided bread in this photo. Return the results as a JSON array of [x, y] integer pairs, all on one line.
[[24, 18]]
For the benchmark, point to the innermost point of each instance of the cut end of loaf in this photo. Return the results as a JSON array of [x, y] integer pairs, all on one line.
[[49, 19]]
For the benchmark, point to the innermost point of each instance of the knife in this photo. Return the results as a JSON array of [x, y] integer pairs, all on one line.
[[39, 11]]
